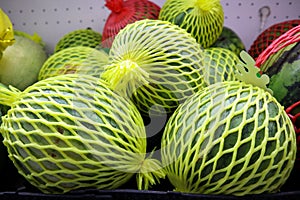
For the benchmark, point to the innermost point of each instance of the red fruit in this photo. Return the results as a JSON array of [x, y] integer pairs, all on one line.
[[124, 12], [269, 35]]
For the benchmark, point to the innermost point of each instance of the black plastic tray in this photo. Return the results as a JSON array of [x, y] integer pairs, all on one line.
[[141, 195], [14, 187]]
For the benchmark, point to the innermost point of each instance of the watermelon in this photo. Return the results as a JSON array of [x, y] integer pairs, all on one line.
[[80, 37], [281, 62], [125, 12], [293, 112], [229, 39], [72, 132], [264, 39], [156, 64], [220, 65], [231, 138], [74, 59], [201, 18]]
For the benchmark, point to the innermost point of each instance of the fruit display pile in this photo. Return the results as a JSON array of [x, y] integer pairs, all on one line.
[[82, 117]]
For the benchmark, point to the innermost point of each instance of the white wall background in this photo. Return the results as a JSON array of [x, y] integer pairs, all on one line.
[[51, 19]]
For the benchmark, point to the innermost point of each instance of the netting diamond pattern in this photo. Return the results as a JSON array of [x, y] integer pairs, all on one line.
[[171, 58], [79, 59], [62, 133], [230, 139]]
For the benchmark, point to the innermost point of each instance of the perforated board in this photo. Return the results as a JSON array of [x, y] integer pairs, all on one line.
[[51, 19]]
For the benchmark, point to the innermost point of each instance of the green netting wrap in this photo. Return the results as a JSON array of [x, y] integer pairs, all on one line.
[[81, 37], [232, 138], [204, 19], [71, 131], [80, 59], [155, 63], [221, 65]]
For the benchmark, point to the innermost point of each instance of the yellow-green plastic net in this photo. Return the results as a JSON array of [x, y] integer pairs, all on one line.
[[71, 131], [204, 19], [221, 65], [156, 64], [232, 138], [6, 32], [81, 37], [79, 59]]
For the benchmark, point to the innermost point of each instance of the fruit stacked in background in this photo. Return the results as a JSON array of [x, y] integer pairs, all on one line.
[[6, 39], [221, 65], [293, 112], [123, 13], [229, 39], [78, 51], [265, 38], [203, 19], [75, 59], [80, 37]]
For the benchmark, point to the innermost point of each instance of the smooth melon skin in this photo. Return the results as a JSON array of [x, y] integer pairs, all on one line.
[[21, 63], [203, 19], [231, 138]]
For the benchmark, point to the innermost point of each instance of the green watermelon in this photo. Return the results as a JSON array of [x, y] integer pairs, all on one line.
[[281, 62], [220, 65], [201, 18], [231, 138], [3, 152], [229, 39], [80, 37], [156, 64], [265, 38], [72, 132], [77, 59]]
